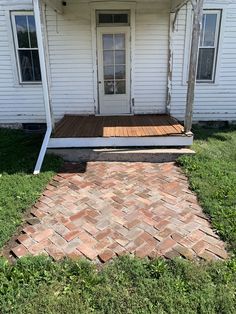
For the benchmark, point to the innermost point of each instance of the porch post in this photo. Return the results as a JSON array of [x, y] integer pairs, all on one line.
[[197, 20], [38, 23]]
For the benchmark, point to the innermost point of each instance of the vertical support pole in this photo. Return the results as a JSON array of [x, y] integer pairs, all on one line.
[[170, 63], [37, 15], [197, 20]]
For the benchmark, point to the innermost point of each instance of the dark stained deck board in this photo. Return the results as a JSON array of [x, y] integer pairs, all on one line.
[[72, 126]]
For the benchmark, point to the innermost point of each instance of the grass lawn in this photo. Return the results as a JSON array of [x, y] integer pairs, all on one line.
[[19, 189], [128, 285], [212, 175]]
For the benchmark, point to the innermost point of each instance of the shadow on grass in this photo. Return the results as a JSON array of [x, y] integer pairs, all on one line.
[[19, 152], [213, 132]]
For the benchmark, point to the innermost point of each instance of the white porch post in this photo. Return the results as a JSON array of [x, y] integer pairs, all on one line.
[[197, 20], [37, 14]]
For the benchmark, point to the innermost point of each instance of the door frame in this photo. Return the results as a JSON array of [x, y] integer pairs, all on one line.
[[131, 6]]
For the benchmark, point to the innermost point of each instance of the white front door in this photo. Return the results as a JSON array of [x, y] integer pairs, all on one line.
[[114, 70]]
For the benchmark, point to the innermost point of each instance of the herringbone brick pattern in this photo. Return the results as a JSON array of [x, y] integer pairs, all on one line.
[[101, 210]]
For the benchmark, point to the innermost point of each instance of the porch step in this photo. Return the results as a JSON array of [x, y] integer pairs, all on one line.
[[123, 155]]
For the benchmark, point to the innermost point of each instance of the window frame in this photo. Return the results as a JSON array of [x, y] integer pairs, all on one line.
[[218, 12], [112, 12], [13, 14]]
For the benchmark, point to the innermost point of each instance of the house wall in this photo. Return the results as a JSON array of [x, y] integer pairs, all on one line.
[[69, 38], [71, 64], [18, 103], [214, 101]]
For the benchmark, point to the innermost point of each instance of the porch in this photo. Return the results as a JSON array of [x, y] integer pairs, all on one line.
[[118, 131]]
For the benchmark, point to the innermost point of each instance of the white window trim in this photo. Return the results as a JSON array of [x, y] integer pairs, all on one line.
[[13, 14], [216, 44], [187, 46]]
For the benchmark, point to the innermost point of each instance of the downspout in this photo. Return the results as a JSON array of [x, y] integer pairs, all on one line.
[[45, 86]]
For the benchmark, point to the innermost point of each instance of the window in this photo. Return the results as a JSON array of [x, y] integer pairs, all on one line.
[[26, 46], [208, 47], [113, 18]]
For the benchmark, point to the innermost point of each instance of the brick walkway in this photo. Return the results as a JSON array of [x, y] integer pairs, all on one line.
[[100, 210]]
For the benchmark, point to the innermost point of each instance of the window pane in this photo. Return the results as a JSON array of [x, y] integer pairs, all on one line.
[[109, 87], [120, 87], [108, 73], [107, 41], [210, 29], [22, 31], [120, 56], [30, 68], [205, 64], [121, 18], [36, 65], [113, 18], [108, 57], [105, 18], [120, 72], [32, 31], [119, 41]]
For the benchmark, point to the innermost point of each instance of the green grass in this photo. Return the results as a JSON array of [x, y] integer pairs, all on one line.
[[212, 175], [127, 285], [19, 189]]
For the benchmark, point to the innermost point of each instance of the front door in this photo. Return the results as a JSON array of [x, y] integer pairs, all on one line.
[[114, 70]]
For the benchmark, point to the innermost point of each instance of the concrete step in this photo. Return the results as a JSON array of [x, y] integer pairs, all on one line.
[[121, 154]]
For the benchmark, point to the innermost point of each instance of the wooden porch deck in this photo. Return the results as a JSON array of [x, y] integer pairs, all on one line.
[[74, 126]]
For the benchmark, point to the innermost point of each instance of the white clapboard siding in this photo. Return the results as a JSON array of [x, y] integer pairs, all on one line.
[[151, 57], [18, 103], [213, 101]]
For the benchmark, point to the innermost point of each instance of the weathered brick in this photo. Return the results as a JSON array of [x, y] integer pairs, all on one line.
[[106, 255], [20, 251]]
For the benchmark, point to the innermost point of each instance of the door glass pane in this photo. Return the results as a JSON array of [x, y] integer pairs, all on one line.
[[108, 57], [22, 31], [210, 29], [206, 64], [108, 42], [119, 41], [32, 32], [108, 72], [120, 87], [120, 57], [120, 72], [114, 64], [109, 87]]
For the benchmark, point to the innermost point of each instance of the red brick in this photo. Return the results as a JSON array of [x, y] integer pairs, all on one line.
[[80, 214], [55, 252], [106, 255], [144, 250], [72, 235], [42, 235], [103, 234], [20, 251], [87, 251], [199, 247], [166, 244]]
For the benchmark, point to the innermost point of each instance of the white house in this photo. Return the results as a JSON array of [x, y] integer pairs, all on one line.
[[117, 73]]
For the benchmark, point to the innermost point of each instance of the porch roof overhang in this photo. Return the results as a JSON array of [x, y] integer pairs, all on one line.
[[57, 5]]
